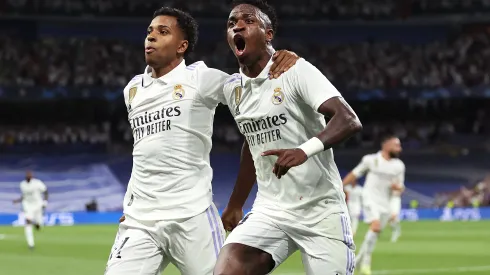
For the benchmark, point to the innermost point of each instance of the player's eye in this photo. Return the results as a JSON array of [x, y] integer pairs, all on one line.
[[164, 32], [231, 24], [148, 31], [249, 21]]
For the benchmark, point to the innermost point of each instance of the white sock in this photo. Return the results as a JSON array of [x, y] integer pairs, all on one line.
[[354, 224], [29, 235], [367, 247], [397, 230]]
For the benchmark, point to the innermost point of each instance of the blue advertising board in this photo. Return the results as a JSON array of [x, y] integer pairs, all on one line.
[[84, 218]]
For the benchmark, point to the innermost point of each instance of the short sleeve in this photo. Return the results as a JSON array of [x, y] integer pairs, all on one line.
[[401, 175], [42, 186], [311, 85], [210, 84], [362, 168]]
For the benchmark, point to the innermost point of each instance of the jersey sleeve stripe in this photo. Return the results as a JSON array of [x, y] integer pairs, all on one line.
[[233, 78]]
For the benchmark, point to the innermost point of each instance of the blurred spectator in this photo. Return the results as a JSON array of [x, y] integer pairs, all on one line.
[[460, 62]]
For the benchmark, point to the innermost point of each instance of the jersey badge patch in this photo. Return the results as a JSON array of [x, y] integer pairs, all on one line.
[[238, 97], [277, 96], [132, 94], [179, 92]]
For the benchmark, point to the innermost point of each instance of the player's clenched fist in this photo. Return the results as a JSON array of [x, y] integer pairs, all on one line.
[[122, 218], [287, 158], [231, 217]]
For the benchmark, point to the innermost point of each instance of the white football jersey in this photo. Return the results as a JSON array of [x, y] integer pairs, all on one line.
[[172, 123], [281, 114], [32, 193], [381, 174], [355, 196]]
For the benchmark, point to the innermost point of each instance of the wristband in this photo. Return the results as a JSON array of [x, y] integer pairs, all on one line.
[[312, 147]]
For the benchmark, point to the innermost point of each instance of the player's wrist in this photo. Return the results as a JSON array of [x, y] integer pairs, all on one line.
[[312, 147]]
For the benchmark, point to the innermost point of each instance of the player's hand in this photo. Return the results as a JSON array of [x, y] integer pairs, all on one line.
[[122, 218], [287, 158], [231, 217], [395, 187], [283, 61]]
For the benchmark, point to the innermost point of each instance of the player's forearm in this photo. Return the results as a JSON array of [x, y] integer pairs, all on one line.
[[18, 200], [245, 179], [349, 179], [340, 128]]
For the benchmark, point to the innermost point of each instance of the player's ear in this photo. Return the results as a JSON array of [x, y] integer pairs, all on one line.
[[183, 47], [269, 35]]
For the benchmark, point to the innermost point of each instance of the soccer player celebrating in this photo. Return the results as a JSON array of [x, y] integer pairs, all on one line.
[[354, 204], [168, 211], [300, 203], [385, 175], [34, 200]]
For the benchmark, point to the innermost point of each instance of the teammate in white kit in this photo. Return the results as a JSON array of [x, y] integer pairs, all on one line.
[[354, 204], [34, 200], [168, 211], [300, 204], [385, 174]]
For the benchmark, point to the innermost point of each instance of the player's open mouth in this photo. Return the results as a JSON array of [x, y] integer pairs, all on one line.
[[149, 49], [239, 44]]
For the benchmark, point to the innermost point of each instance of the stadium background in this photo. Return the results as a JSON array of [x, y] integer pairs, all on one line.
[[417, 68]]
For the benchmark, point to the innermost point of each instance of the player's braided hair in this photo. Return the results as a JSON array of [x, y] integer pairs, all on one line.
[[264, 7], [186, 22]]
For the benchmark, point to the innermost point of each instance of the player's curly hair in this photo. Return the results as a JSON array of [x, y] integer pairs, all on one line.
[[264, 7], [186, 22]]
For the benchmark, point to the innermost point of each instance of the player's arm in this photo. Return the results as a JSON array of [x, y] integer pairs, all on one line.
[[399, 184], [18, 200], [246, 177], [44, 190], [314, 89], [358, 171]]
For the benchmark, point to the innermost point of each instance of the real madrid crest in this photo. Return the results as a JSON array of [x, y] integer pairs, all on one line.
[[132, 94], [238, 97], [179, 92], [277, 96]]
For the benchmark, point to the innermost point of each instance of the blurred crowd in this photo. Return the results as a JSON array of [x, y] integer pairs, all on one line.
[[462, 62], [306, 9], [55, 134], [467, 196]]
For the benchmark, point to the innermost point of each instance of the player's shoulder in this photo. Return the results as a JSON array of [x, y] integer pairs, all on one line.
[[299, 68], [232, 81], [370, 157], [136, 80], [400, 163]]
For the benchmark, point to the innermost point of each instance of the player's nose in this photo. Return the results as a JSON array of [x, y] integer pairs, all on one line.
[[240, 26], [150, 38]]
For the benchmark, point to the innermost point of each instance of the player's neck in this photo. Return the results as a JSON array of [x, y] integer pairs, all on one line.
[[157, 72], [385, 155], [255, 68]]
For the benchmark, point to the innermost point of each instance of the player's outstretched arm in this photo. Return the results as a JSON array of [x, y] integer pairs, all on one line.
[[283, 61], [233, 212], [343, 124]]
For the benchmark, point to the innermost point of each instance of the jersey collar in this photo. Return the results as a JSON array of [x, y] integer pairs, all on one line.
[[174, 74], [264, 75]]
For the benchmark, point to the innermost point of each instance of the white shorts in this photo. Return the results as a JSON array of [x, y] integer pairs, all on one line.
[[192, 245], [326, 248], [34, 214], [374, 213], [395, 205]]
